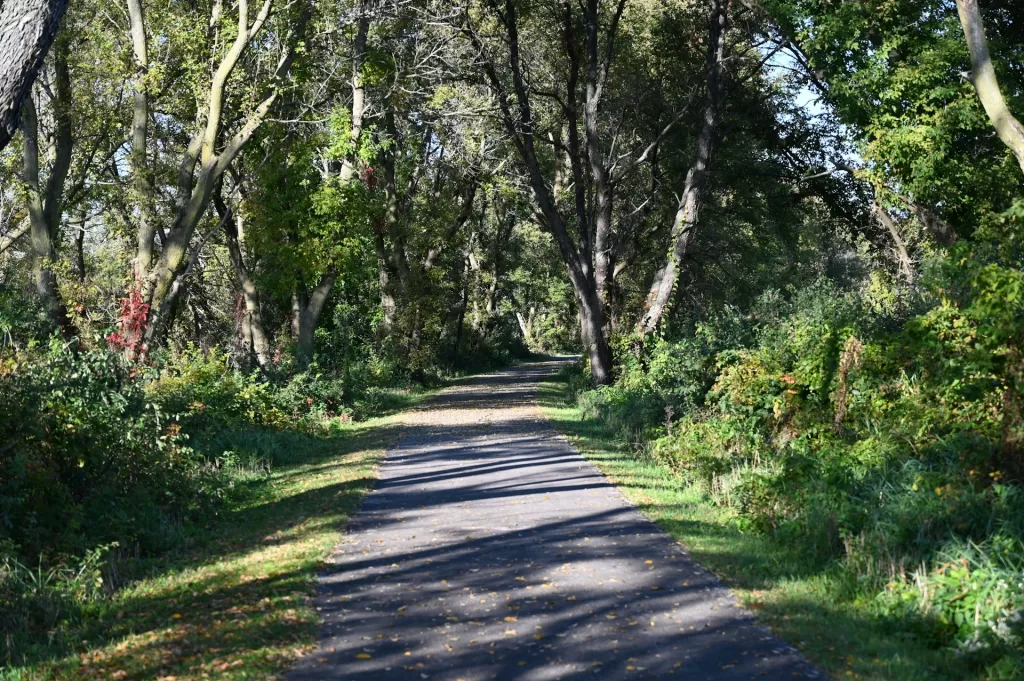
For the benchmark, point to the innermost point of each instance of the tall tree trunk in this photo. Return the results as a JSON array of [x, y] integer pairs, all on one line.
[[597, 73], [983, 76], [388, 304], [685, 222], [462, 306], [141, 184], [46, 202], [348, 166], [27, 28], [519, 125]]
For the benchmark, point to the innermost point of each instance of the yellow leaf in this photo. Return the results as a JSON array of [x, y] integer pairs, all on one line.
[[364, 656]]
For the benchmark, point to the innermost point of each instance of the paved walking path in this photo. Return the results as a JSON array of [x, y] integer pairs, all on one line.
[[491, 550]]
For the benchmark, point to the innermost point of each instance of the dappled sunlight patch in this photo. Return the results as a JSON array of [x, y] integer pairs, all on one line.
[[241, 605]]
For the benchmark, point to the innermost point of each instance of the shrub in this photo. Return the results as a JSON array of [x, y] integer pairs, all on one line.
[[884, 443], [88, 458], [36, 602]]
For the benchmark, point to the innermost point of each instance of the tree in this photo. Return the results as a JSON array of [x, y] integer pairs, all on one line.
[[46, 200], [209, 151], [586, 255], [893, 73], [685, 222], [983, 77], [27, 28]]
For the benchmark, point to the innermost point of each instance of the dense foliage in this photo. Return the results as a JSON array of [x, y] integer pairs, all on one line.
[[878, 435], [786, 237]]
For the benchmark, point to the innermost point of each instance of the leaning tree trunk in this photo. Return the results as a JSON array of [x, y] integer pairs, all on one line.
[[685, 222], [205, 161], [902, 255], [983, 76], [27, 28]]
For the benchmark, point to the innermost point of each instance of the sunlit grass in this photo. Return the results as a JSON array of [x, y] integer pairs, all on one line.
[[808, 605], [235, 604]]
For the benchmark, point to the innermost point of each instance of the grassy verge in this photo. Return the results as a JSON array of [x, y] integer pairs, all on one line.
[[807, 605], [235, 603]]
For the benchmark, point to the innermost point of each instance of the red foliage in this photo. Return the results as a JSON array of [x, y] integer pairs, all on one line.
[[131, 325], [369, 178]]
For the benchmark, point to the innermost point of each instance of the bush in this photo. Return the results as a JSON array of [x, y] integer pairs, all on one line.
[[884, 443], [99, 453], [88, 458]]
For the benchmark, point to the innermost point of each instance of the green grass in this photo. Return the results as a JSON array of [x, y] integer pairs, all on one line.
[[235, 602], [809, 605]]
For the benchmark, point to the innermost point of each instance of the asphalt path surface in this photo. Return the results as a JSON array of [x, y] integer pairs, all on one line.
[[490, 549]]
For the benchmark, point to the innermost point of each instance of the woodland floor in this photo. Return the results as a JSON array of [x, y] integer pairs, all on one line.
[[490, 549]]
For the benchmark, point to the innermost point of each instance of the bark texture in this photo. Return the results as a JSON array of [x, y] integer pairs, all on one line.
[[45, 200], [27, 28], [983, 76]]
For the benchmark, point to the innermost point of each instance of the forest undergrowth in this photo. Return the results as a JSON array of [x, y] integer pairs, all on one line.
[[166, 520], [849, 459]]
